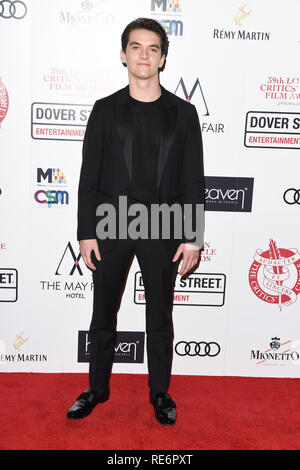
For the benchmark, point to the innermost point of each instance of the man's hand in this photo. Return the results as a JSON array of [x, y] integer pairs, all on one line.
[[190, 255], [86, 248]]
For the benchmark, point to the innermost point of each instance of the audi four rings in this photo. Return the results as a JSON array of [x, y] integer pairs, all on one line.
[[10, 9], [294, 196], [192, 348]]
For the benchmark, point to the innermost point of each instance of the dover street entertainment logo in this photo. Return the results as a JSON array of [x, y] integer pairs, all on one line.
[[274, 275], [272, 130]]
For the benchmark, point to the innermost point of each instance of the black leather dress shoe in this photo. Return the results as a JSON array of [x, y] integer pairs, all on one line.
[[165, 408], [85, 403]]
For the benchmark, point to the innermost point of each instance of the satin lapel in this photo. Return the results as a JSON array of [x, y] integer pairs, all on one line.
[[122, 116], [169, 117]]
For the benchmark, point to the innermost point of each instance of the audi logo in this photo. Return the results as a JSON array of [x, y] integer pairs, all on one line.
[[10, 9], [192, 348], [292, 196]]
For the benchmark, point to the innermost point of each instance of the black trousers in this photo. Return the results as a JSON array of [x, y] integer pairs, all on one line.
[[159, 274]]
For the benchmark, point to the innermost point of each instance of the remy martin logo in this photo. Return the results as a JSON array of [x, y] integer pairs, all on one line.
[[241, 34], [241, 15], [7, 358], [19, 341]]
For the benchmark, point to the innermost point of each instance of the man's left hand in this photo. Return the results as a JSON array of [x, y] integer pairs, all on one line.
[[190, 254]]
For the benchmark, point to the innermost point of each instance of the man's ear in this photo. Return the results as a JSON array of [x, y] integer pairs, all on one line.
[[162, 61], [123, 57]]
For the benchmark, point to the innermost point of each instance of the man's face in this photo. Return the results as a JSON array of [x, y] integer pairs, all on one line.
[[143, 53]]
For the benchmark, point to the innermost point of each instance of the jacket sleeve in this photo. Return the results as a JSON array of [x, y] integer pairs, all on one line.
[[89, 174], [193, 192]]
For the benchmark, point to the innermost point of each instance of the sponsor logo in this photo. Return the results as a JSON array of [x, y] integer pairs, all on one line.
[[197, 348], [207, 289], [240, 34], [129, 347], [230, 194], [272, 130], [8, 285], [89, 16], [11, 358], [53, 177], [196, 93], [173, 9], [75, 266], [19, 341], [274, 275], [4, 101], [292, 196], [278, 353], [241, 15], [16, 10], [59, 121], [69, 264]]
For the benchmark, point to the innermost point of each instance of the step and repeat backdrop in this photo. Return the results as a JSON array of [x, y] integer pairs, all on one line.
[[237, 62]]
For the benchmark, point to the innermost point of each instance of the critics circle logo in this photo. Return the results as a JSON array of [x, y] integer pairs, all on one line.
[[3, 101], [201, 348], [274, 276]]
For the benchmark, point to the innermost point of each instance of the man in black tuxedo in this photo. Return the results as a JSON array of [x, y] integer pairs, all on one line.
[[145, 143]]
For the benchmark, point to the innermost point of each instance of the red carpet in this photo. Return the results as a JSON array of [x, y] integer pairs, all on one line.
[[213, 413]]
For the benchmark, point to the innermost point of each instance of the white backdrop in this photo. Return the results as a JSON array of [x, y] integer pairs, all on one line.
[[238, 63]]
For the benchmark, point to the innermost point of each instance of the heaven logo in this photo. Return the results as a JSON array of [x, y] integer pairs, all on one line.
[[129, 347], [59, 121], [230, 194], [272, 130], [207, 289]]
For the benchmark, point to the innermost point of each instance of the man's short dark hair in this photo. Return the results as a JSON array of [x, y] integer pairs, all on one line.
[[152, 25]]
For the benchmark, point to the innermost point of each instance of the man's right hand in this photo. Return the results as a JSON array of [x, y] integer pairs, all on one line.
[[86, 248]]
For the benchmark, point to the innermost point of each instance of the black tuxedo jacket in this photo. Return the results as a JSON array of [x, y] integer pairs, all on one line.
[[107, 160]]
